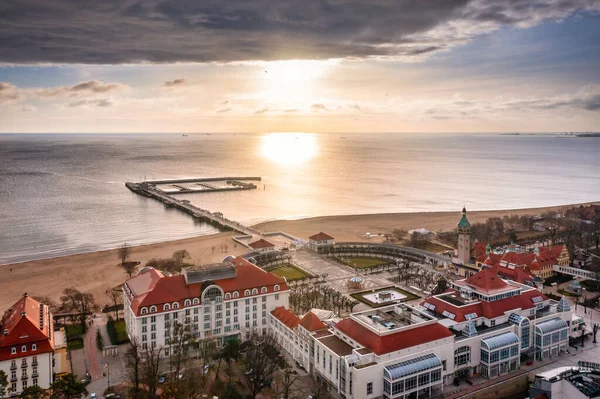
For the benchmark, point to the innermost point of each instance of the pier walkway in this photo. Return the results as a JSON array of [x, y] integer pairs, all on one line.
[[148, 189]]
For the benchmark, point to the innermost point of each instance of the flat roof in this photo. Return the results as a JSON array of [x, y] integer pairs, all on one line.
[[338, 346]]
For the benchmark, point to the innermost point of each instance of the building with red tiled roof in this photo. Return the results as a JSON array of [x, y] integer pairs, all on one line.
[[27, 344], [286, 317], [320, 242], [219, 301], [312, 323], [262, 245], [542, 258]]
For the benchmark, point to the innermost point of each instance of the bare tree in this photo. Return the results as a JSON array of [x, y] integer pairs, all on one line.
[[123, 253], [79, 302], [261, 361], [133, 360], [115, 298], [180, 256], [180, 341], [284, 385], [150, 369], [52, 305]]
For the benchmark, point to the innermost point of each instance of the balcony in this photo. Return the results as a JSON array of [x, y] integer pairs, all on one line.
[[13, 379], [23, 365], [34, 363], [34, 375], [13, 366], [24, 376]]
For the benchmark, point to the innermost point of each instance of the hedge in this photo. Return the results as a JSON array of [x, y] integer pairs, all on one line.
[[117, 332]]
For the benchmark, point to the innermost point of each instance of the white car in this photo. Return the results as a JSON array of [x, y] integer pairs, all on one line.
[[92, 395]]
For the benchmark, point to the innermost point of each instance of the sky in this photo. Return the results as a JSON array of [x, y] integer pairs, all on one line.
[[314, 65]]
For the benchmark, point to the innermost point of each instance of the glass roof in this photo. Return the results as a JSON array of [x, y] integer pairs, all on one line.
[[412, 366], [563, 305], [551, 325], [469, 330], [500, 340]]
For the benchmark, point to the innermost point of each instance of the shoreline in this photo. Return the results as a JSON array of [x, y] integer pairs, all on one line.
[[97, 271]]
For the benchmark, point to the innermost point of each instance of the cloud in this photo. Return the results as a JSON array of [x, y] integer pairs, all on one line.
[[223, 110], [175, 83], [89, 89], [8, 92], [101, 102], [225, 102], [239, 30], [261, 111], [28, 108], [318, 107]]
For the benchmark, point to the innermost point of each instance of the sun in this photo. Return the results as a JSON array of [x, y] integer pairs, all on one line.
[[289, 149], [291, 81]]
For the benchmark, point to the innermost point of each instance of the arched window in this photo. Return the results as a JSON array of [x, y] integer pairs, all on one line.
[[247, 292], [212, 294], [144, 310], [254, 291], [175, 305], [276, 287], [263, 290], [236, 294], [196, 301], [228, 296], [166, 306], [152, 309], [187, 302]]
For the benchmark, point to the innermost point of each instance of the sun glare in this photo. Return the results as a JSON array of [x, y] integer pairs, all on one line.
[[292, 81], [289, 149]]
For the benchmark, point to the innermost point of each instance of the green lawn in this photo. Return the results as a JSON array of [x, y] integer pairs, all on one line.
[[73, 331], [290, 272], [117, 332], [76, 343], [365, 263]]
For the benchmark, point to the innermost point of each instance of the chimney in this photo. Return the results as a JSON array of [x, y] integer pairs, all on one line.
[[25, 295]]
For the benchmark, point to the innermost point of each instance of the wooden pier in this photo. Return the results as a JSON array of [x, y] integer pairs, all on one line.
[[148, 189]]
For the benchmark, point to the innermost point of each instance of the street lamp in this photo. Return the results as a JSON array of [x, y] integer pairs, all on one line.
[[107, 366]]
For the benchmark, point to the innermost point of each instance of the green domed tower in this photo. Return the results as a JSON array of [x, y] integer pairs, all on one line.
[[464, 238]]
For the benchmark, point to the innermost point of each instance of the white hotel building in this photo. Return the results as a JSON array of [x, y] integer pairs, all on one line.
[[482, 325], [221, 301]]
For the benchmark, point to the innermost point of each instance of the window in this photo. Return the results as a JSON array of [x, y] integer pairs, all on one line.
[[254, 291], [13, 350], [152, 309], [175, 305], [144, 329], [227, 296], [276, 287], [24, 384], [152, 319], [493, 323], [34, 347], [247, 292], [188, 312], [24, 348], [144, 310], [236, 294], [145, 320], [276, 297], [187, 302], [167, 316], [166, 306], [196, 301], [35, 381], [263, 290], [369, 388]]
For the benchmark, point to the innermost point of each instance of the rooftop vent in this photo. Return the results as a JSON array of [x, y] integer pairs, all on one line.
[[23, 314]]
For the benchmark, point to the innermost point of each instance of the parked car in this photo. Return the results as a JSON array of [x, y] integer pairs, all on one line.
[[93, 395], [162, 379]]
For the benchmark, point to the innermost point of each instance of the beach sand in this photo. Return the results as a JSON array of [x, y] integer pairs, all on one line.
[[97, 271]]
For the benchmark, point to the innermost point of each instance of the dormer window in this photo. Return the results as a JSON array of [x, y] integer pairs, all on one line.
[[13, 351], [196, 301], [24, 348], [236, 294], [254, 291], [263, 290], [144, 310], [247, 293], [166, 306], [175, 305], [152, 309], [33, 347], [187, 302], [276, 288]]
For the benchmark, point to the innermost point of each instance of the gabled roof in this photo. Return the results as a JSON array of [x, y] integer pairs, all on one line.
[[22, 326], [487, 281], [320, 237], [404, 338], [311, 322], [286, 317], [262, 243]]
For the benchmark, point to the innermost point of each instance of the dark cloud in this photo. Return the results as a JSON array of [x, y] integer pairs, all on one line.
[[91, 87], [175, 83], [101, 102], [114, 32]]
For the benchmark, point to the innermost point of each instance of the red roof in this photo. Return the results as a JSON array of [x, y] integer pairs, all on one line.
[[261, 244], [489, 310], [311, 322], [286, 316], [487, 281], [22, 326], [548, 256], [320, 237], [153, 288], [479, 248], [392, 342]]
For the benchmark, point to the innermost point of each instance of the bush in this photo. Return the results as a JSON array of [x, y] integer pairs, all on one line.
[[559, 279], [76, 343], [117, 331], [73, 331], [99, 340]]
